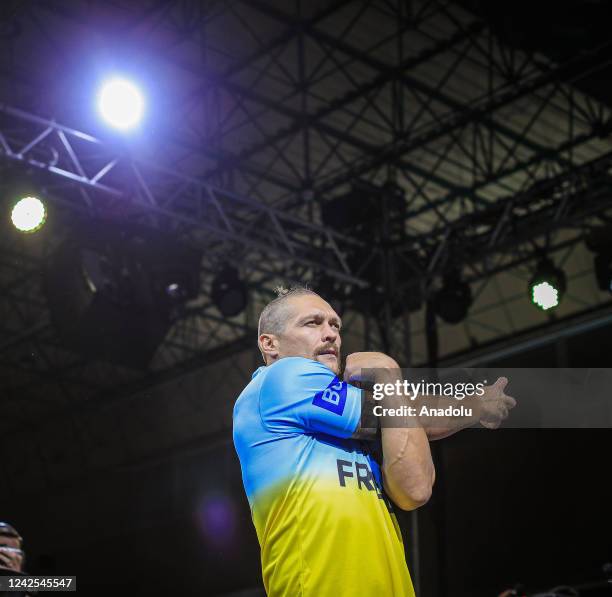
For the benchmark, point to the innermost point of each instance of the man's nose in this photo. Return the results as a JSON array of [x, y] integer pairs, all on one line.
[[330, 334]]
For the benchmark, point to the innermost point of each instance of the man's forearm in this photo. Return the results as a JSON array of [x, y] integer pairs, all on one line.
[[408, 469], [437, 426]]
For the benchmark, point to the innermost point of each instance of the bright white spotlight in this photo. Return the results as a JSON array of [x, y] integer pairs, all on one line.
[[29, 214], [547, 286], [121, 104], [545, 296]]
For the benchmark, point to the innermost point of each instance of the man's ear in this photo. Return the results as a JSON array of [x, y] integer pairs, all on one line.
[[268, 344]]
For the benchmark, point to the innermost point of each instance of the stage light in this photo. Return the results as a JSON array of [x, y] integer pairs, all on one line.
[[453, 301], [29, 214], [547, 285], [121, 104], [229, 292]]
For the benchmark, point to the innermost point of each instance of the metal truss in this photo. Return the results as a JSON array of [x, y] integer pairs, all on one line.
[[434, 114], [499, 155], [419, 119], [111, 183], [404, 109], [483, 242]]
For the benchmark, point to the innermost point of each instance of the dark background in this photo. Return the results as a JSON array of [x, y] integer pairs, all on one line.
[[529, 506]]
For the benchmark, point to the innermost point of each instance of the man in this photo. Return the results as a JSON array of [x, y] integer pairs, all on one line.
[[11, 554], [321, 504], [12, 557]]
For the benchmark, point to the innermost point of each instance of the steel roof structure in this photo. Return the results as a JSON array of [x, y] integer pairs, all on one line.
[[259, 113]]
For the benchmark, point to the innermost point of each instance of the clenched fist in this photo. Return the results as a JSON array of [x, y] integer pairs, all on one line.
[[11, 558]]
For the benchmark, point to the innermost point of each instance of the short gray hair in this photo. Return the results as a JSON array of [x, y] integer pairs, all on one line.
[[274, 316]]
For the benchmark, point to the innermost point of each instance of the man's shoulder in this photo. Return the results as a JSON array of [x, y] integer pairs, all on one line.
[[292, 373], [267, 377]]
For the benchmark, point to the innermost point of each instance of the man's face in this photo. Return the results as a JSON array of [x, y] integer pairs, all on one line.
[[312, 330]]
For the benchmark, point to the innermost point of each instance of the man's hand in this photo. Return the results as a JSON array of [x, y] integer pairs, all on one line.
[[11, 558], [357, 361], [494, 404]]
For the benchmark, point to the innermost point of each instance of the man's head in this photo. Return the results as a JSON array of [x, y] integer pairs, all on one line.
[[299, 323]]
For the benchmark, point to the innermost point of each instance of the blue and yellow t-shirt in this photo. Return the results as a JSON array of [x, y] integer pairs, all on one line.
[[323, 522]]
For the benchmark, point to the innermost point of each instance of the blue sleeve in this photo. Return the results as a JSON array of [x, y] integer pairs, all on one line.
[[302, 395]]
